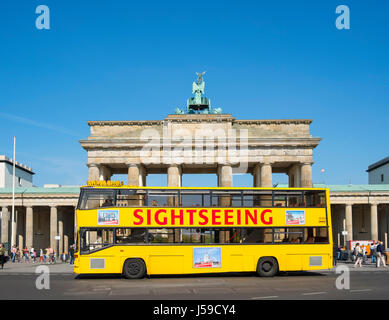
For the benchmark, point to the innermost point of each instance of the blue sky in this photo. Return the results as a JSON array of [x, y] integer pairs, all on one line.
[[126, 60]]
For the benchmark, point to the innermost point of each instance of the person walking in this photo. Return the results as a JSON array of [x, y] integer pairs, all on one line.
[[380, 254], [373, 253], [13, 252], [359, 255], [25, 254], [2, 255], [52, 255], [41, 256], [32, 250], [71, 254]]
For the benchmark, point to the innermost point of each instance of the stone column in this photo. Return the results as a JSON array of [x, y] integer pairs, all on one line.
[[174, 176], [53, 227], [374, 221], [224, 176], [266, 175], [295, 176], [93, 171], [60, 233], [66, 244], [306, 175], [349, 221], [142, 176], [173, 180], [4, 225], [257, 176], [134, 174], [29, 227], [105, 173]]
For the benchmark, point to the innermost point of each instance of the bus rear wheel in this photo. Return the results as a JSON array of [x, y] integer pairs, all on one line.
[[267, 267], [134, 269]]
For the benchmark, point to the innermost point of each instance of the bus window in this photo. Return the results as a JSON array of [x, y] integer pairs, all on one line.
[[316, 235], [289, 235], [295, 199], [257, 235], [257, 198], [163, 235], [97, 198], [160, 198], [95, 239], [130, 198], [280, 200], [197, 235], [130, 235], [193, 198], [315, 199], [233, 235], [223, 198]]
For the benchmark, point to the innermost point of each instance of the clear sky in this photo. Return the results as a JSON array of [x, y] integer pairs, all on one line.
[[136, 60]]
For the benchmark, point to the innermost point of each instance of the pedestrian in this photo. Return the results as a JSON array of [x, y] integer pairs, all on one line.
[[25, 254], [32, 250], [380, 254], [13, 252], [359, 255], [71, 254], [2, 256], [41, 256], [47, 255], [364, 256], [373, 253], [52, 255]]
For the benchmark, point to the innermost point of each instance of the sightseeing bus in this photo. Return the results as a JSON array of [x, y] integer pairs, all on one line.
[[138, 231]]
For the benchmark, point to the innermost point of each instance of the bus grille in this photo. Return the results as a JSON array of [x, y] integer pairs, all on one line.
[[97, 263], [315, 261]]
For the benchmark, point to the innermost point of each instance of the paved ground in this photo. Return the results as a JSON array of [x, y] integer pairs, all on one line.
[[367, 282]]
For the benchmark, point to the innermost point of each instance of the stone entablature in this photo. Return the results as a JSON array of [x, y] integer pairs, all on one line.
[[202, 143]]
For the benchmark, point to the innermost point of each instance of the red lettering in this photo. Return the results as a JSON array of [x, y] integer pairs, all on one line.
[[204, 217], [270, 220], [164, 221], [180, 216], [238, 214], [227, 217], [248, 216], [139, 217], [214, 217], [191, 212], [148, 217]]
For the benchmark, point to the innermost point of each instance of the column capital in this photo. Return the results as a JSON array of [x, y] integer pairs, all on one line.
[[93, 165], [348, 204], [306, 163], [374, 204], [132, 165]]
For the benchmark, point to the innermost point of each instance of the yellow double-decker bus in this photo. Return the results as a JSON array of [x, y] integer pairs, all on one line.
[[136, 231]]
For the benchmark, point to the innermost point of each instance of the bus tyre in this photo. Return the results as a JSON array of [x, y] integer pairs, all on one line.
[[267, 267], [134, 268]]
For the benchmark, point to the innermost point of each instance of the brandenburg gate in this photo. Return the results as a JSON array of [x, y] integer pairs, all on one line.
[[201, 140]]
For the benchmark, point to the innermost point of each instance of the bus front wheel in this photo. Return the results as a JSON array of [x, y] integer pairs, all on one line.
[[134, 268], [267, 267]]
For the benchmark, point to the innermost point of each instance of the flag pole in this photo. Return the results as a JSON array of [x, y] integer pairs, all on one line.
[[13, 236]]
